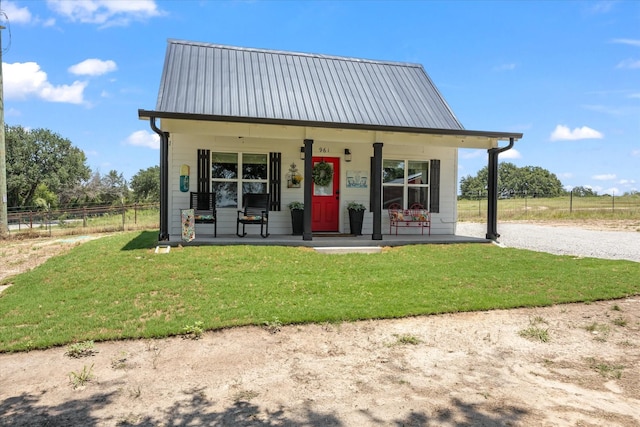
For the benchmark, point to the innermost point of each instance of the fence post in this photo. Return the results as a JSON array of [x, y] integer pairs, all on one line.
[[124, 211], [135, 213], [84, 217], [613, 201], [571, 201]]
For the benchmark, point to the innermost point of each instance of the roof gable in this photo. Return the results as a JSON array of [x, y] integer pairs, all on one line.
[[255, 84]]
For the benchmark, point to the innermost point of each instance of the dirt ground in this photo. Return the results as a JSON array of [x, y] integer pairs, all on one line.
[[566, 365]]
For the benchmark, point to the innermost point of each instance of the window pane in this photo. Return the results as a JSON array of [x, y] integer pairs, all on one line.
[[392, 194], [224, 165], [418, 195], [226, 194], [393, 171], [254, 166], [254, 187], [418, 173]]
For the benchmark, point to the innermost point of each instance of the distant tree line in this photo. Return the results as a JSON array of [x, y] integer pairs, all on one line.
[[46, 170], [527, 181]]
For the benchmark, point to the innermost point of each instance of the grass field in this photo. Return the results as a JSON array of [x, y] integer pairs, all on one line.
[[565, 207], [116, 287]]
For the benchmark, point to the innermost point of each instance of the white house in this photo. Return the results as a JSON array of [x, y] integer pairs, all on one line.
[[238, 120]]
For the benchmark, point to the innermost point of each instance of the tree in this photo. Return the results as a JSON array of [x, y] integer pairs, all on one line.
[[40, 156], [113, 188], [146, 185], [528, 181], [581, 191]]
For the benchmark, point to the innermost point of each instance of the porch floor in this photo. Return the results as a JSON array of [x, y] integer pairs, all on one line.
[[325, 240]]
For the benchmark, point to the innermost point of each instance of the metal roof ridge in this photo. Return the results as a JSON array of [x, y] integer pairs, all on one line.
[[287, 52]]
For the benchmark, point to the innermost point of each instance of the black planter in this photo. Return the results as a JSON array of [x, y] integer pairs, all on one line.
[[355, 221], [297, 221]]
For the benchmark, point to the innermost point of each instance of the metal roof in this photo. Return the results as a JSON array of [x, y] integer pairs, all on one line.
[[204, 81]]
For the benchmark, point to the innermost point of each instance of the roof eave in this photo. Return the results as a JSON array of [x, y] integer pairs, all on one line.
[[148, 114]]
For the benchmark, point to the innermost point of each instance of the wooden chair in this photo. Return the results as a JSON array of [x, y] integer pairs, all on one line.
[[204, 209], [255, 211]]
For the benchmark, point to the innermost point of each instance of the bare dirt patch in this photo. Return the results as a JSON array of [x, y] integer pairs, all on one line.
[[573, 365]]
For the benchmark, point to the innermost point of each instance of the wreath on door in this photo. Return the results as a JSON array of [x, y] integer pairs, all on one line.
[[322, 173]]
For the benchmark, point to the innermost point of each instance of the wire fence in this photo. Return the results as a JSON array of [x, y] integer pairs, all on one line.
[[33, 222], [538, 206]]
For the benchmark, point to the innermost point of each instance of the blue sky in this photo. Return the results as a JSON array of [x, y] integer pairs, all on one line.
[[565, 73]]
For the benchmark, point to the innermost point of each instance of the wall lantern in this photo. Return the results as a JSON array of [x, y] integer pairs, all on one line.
[[301, 153], [347, 155]]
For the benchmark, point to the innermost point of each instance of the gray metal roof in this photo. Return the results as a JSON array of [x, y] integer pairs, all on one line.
[[266, 85]]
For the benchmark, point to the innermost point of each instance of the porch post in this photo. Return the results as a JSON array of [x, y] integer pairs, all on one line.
[[492, 191], [308, 188], [376, 191]]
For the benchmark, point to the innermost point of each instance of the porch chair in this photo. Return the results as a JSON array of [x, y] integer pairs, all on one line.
[[255, 211], [204, 209]]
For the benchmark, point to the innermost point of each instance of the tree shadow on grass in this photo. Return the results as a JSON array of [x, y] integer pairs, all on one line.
[[144, 240], [25, 410]]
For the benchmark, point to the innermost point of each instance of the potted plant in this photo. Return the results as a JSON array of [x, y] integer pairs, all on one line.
[[297, 217], [356, 216]]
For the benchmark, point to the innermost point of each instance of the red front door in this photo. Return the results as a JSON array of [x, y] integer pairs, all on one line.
[[325, 201]]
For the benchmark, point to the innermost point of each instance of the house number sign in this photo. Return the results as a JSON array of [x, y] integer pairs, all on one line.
[[323, 150]]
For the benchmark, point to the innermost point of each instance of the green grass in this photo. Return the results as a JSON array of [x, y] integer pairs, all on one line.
[[116, 287], [556, 208]]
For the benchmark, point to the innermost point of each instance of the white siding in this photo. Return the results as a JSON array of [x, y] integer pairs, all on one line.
[[187, 137]]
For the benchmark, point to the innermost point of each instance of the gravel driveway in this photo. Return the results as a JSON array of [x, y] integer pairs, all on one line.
[[565, 240]]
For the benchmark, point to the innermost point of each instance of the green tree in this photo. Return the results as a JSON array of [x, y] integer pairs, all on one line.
[[40, 156], [146, 185], [527, 181], [113, 188], [581, 191]]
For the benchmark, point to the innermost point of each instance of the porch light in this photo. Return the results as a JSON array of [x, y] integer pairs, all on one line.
[[347, 155], [301, 153]]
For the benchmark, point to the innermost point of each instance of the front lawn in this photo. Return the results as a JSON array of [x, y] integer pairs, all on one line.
[[117, 287]]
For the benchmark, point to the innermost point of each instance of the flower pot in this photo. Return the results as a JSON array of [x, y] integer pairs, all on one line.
[[297, 221], [355, 221]]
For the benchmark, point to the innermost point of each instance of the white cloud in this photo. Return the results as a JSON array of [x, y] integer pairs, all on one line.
[[16, 14], [635, 153], [565, 175], [634, 95], [510, 154], [632, 42], [629, 63], [626, 181], [143, 138], [105, 12], [23, 80], [601, 6], [604, 177], [471, 154], [505, 67], [563, 133], [612, 191], [93, 67]]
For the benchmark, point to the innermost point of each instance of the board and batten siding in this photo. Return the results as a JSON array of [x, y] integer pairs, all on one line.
[[186, 137]]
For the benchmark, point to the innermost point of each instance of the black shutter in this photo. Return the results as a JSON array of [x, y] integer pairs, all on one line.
[[204, 171], [275, 178], [434, 187]]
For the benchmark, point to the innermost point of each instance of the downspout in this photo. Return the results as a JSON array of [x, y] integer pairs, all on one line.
[[164, 180], [492, 190]]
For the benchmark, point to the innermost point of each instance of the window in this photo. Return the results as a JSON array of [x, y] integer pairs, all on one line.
[[405, 182], [237, 173]]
